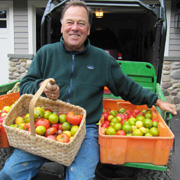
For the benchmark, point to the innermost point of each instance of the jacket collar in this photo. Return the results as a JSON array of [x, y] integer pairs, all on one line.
[[87, 44]]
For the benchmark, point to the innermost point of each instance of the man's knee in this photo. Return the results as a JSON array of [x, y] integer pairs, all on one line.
[[8, 171], [4, 174]]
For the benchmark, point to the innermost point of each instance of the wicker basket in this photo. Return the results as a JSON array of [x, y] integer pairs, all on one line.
[[63, 153]]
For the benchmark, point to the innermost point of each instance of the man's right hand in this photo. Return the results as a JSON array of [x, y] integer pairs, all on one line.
[[51, 90]]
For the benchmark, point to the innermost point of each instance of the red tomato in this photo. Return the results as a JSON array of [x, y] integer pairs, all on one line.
[[120, 133], [60, 127], [51, 131], [122, 121], [106, 114], [52, 137], [107, 122], [128, 112], [61, 113], [43, 122], [135, 112], [27, 126], [118, 115], [155, 120], [49, 110], [124, 116], [2, 119], [131, 116], [64, 138], [104, 125], [55, 125], [74, 119], [141, 114]]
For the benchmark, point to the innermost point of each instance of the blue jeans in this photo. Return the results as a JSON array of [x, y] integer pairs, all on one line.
[[24, 166]]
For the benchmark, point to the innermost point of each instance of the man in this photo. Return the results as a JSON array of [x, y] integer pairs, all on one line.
[[80, 72]]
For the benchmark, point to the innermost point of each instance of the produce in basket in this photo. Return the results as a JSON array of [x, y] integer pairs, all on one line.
[[63, 153], [4, 111], [51, 126], [124, 122]]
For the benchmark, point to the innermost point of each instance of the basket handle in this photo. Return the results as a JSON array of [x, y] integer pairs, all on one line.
[[33, 102], [15, 88]]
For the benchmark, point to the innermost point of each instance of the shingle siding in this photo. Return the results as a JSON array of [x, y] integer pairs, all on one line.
[[22, 40], [174, 41], [20, 27]]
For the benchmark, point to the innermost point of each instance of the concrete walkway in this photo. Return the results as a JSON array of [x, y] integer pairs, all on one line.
[[175, 127]]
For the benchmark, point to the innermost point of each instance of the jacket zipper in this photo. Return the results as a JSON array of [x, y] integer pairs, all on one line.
[[72, 72]]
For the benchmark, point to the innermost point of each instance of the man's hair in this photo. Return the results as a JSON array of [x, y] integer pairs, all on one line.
[[77, 3]]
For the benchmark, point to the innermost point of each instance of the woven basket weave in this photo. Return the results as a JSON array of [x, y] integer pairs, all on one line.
[[63, 153]]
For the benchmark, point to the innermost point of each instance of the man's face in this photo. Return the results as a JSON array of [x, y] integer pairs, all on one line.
[[75, 28]]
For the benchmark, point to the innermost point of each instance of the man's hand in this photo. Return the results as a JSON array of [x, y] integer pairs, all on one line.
[[51, 90], [165, 106]]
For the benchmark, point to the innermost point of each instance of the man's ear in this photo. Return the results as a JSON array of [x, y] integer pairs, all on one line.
[[61, 29], [61, 25], [88, 33]]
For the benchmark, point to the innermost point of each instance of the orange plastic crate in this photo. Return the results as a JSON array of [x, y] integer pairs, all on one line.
[[116, 149], [6, 100]]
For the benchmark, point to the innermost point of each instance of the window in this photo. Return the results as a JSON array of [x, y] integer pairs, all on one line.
[[3, 19]]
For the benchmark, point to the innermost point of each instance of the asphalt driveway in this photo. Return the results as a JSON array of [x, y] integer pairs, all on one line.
[[175, 127]]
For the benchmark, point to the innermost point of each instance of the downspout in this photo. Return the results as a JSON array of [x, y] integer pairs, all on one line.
[[163, 40]]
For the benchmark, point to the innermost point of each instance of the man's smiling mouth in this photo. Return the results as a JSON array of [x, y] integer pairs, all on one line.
[[74, 35]]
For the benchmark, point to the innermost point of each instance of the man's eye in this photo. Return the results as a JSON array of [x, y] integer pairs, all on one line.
[[81, 24], [69, 22]]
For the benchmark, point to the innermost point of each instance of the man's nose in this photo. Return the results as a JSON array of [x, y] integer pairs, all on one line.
[[75, 26]]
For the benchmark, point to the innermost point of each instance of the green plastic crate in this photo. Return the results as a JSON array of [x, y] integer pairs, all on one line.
[[141, 72], [6, 87]]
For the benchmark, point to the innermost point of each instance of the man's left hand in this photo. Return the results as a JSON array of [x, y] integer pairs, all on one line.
[[165, 106]]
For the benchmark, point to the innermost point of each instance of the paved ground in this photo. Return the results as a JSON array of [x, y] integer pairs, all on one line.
[[175, 127]]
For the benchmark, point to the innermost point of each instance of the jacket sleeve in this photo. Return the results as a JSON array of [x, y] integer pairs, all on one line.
[[122, 85], [30, 82]]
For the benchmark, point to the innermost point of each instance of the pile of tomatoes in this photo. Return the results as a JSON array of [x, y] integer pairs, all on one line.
[[3, 114], [60, 127], [4, 111], [126, 122]]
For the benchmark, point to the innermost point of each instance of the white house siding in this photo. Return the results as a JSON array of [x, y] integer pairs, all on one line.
[[20, 27], [32, 5], [6, 40], [174, 43]]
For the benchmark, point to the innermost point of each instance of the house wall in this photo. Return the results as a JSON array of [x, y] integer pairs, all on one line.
[[174, 42], [6, 39], [171, 68], [170, 84], [20, 27]]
